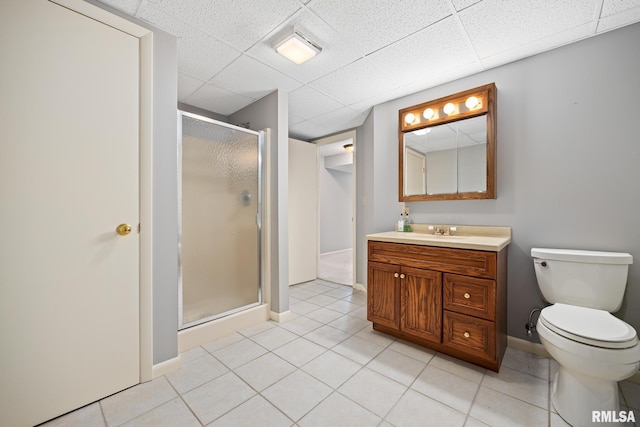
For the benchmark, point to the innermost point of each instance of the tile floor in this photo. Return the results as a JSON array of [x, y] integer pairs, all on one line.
[[327, 367], [336, 267]]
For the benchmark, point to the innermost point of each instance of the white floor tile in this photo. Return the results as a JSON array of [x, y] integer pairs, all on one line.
[[525, 387], [373, 391], [446, 388], [264, 371], [458, 367], [332, 368], [217, 397], [497, 409], [171, 414], [135, 401], [196, 373], [87, 416], [274, 338], [254, 412], [412, 350], [358, 350], [300, 351], [349, 324], [528, 363], [415, 409], [397, 366], [239, 353], [337, 410], [324, 315], [327, 336], [297, 394], [301, 325]]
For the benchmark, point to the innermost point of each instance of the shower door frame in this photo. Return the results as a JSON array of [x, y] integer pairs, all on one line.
[[261, 143]]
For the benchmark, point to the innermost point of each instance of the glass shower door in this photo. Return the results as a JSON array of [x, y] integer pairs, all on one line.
[[220, 217]]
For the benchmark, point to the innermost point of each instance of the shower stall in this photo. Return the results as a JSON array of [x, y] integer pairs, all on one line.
[[220, 198]]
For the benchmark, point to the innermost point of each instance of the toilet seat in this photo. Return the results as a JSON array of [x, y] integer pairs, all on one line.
[[590, 326]]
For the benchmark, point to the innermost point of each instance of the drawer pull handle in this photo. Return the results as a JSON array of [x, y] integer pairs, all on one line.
[[402, 276], [467, 334], [466, 295], [395, 274]]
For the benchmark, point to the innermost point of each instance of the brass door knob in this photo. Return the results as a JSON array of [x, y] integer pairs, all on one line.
[[466, 295], [402, 276], [467, 334], [395, 274], [123, 229]]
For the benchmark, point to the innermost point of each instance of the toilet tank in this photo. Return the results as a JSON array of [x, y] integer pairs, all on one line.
[[583, 278]]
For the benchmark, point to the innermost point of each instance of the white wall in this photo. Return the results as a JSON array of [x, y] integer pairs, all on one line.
[[567, 162], [336, 205]]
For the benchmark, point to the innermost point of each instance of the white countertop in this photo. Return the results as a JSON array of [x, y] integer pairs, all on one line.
[[465, 237]]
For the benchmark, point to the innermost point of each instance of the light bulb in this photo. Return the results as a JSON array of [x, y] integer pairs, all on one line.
[[420, 132], [409, 118], [428, 113], [472, 102], [449, 108]]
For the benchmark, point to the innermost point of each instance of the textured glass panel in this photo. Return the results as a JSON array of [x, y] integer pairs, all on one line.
[[220, 245]]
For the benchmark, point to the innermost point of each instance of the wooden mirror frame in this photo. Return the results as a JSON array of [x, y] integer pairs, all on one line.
[[487, 94]]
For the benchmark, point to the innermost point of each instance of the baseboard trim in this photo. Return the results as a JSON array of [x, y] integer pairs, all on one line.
[[281, 317], [166, 367], [536, 348], [359, 287], [205, 332]]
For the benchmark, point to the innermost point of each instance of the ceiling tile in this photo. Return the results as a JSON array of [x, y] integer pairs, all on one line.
[[307, 102], [355, 82], [248, 77], [368, 26], [619, 19], [187, 85], [217, 100], [538, 46], [430, 52], [341, 119], [240, 23], [463, 4], [306, 131], [611, 7], [496, 26], [199, 54], [335, 54], [127, 6]]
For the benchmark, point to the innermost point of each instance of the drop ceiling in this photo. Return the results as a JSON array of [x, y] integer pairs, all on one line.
[[372, 51]]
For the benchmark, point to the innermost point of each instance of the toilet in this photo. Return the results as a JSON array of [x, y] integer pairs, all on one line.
[[593, 348]]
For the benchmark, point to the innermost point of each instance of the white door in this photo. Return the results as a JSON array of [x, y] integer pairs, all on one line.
[[303, 211], [415, 181], [69, 292]]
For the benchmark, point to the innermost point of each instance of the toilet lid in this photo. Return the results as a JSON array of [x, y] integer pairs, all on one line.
[[589, 326]]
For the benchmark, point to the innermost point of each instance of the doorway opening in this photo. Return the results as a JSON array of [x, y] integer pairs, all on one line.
[[336, 208]]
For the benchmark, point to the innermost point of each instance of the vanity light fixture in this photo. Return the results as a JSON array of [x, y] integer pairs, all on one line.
[[449, 108], [409, 118], [472, 102], [421, 132], [348, 148], [297, 48], [428, 113]]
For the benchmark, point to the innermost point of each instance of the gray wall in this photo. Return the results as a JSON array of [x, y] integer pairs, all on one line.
[[336, 203], [272, 112], [165, 195], [568, 155]]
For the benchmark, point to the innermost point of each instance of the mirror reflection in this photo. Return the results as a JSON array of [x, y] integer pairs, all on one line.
[[449, 158]]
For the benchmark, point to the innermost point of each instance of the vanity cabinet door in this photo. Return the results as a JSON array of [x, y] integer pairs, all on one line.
[[421, 298], [383, 305]]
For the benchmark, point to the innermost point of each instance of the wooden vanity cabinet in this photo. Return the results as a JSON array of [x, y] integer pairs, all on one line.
[[449, 300]]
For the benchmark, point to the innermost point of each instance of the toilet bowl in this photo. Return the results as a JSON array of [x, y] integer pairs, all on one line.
[[593, 348], [587, 379]]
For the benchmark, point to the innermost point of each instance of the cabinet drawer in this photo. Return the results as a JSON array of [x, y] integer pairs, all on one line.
[[469, 335], [470, 295], [458, 261]]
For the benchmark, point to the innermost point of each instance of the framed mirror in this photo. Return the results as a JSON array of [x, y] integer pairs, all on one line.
[[447, 147]]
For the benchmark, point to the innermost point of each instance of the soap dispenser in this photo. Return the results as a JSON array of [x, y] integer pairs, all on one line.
[[407, 222], [400, 226]]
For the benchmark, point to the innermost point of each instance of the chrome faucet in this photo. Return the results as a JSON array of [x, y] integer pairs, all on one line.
[[441, 231]]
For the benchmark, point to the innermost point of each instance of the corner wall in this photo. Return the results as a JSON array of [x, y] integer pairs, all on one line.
[[568, 156]]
